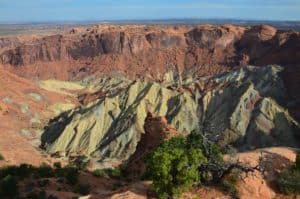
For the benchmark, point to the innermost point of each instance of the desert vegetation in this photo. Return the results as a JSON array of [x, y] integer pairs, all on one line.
[[288, 181], [1, 157], [13, 179], [11, 176], [181, 163]]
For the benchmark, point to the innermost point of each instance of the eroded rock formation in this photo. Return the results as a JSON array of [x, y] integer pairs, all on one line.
[[242, 108], [157, 130], [150, 51]]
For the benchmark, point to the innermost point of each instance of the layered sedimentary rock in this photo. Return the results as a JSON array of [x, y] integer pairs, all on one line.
[[151, 51], [137, 50], [111, 126], [245, 105], [243, 108]]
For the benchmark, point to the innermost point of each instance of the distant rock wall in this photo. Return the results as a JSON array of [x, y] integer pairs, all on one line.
[[141, 50]]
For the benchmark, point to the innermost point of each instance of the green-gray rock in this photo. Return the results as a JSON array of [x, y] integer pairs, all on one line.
[[239, 108]]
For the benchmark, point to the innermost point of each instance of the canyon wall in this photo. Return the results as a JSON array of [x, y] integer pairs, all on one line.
[[150, 51]]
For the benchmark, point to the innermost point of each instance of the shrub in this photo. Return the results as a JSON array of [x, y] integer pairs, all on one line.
[[115, 173], [45, 171], [9, 186], [180, 163], [24, 170], [230, 188], [52, 197], [81, 162], [1, 157], [229, 183], [288, 181], [43, 182], [116, 186], [124, 170], [83, 166], [71, 174], [9, 170], [35, 195], [297, 164], [173, 166], [82, 189], [57, 165], [98, 173]]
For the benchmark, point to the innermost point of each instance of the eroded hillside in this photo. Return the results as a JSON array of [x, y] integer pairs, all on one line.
[[151, 51], [243, 108]]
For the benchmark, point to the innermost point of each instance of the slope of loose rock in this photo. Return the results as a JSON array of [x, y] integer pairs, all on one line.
[[23, 112], [111, 126], [233, 108]]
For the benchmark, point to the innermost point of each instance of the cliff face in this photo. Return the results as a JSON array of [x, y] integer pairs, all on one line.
[[140, 50], [150, 51]]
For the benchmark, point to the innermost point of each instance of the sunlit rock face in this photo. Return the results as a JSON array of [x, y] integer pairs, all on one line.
[[141, 51], [243, 108]]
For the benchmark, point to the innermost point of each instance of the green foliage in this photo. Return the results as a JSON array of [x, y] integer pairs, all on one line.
[[229, 183], [215, 155], [43, 182], [173, 166], [57, 165], [1, 157], [82, 189], [230, 188], [116, 186], [11, 174], [52, 197], [98, 173], [297, 164], [83, 166], [9, 186], [115, 173], [210, 150], [37, 195], [9, 170], [288, 181], [70, 173], [24, 170], [81, 163], [21, 171], [45, 171]]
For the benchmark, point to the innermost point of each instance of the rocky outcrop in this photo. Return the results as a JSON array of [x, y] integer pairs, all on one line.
[[242, 108], [157, 130], [272, 161]]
